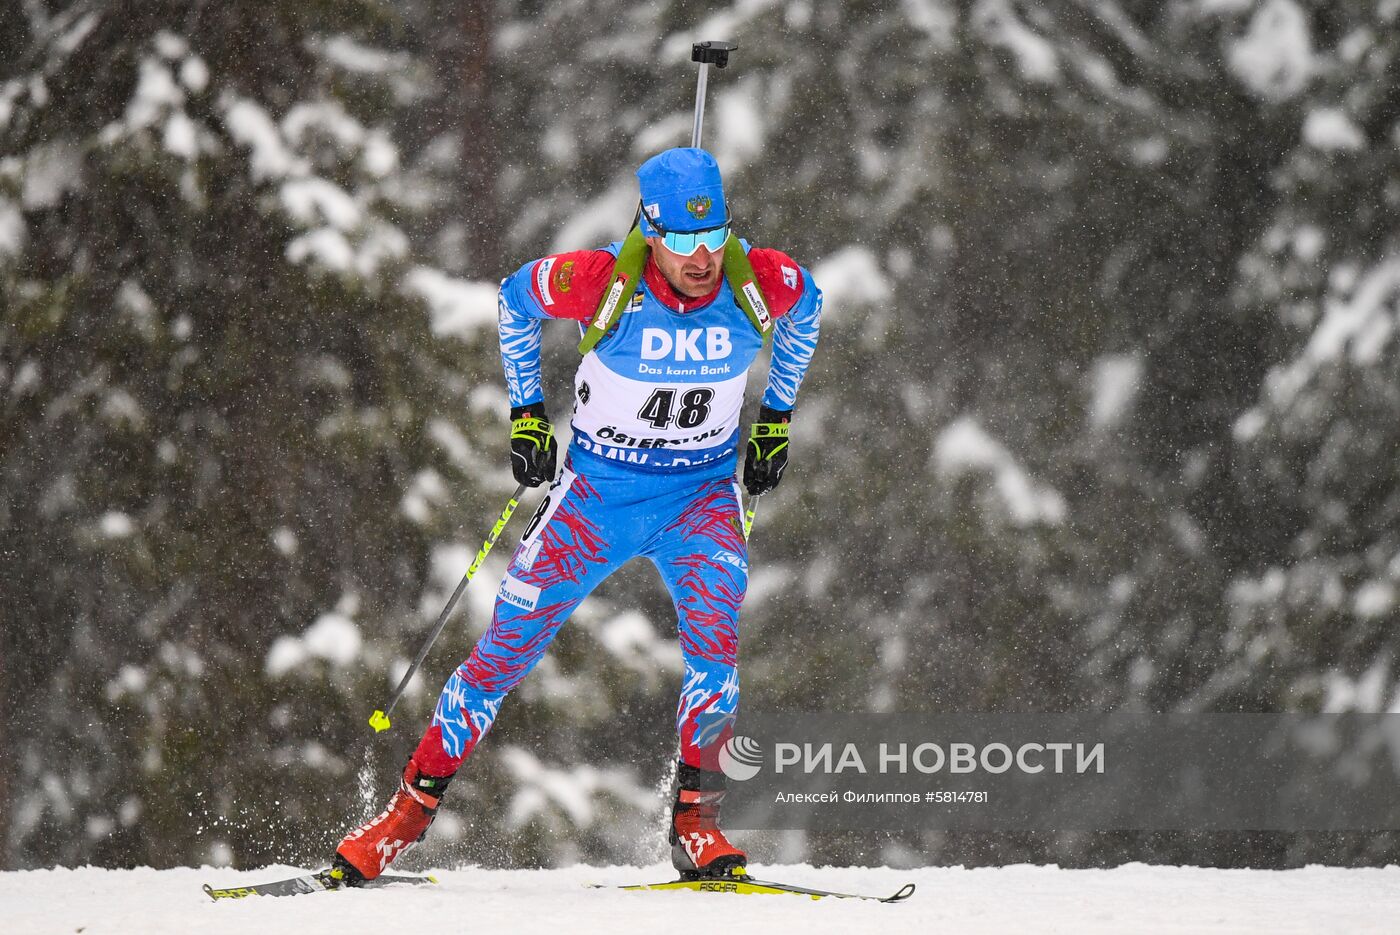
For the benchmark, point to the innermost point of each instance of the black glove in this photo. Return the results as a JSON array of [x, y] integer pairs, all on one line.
[[532, 448], [766, 456]]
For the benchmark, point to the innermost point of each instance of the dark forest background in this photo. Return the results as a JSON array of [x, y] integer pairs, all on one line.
[[1103, 417]]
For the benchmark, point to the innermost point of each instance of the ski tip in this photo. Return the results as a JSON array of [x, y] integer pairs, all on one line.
[[234, 892], [902, 894], [379, 721]]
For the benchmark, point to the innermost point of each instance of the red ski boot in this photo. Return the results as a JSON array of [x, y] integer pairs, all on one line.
[[698, 848], [370, 848]]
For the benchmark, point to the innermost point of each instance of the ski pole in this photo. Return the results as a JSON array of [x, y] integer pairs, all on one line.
[[748, 515], [714, 53], [379, 720]]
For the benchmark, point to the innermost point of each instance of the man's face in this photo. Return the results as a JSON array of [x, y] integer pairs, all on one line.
[[692, 276]]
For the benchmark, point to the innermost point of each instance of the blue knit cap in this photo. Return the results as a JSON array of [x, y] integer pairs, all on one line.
[[681, 190]]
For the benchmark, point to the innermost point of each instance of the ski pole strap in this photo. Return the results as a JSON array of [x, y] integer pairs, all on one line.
[[379, 720], [763, 430], [742, 281], [534, 430], [626, 277]]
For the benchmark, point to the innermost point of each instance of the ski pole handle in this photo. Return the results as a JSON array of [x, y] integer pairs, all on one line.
[[709, 53], [379, 720]]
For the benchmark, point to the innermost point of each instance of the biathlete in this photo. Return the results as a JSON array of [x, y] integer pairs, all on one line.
[[671, 320]]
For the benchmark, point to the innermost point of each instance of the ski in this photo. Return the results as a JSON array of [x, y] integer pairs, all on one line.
[[899, 895], [743, 883], [308, 883]]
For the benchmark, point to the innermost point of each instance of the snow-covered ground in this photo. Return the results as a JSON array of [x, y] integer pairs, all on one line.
[[1135, 898]]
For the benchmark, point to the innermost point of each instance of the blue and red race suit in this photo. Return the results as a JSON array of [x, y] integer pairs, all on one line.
[[650, 472]]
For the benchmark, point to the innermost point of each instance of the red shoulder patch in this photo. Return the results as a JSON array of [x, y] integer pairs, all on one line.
[[570, 285], [779, 277]]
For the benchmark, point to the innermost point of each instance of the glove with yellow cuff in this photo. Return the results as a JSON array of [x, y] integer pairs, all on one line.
[[766, 455], [533, 452]]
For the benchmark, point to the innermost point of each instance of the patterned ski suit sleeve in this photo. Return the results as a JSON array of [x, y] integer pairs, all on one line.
[[564, 285], [796, 303]]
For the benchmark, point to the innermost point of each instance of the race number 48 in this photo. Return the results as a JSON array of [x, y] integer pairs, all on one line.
[[659, 411]]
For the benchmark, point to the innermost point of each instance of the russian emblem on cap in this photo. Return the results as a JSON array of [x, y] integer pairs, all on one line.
[[699, 206]]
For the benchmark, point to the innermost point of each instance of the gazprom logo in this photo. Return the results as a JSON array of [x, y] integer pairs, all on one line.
[[604, 317], [740, 758], [517, 592], [760, 308], [684, 343]]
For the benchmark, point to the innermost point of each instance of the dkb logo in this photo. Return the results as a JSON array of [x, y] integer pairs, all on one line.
[[658, 343]]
